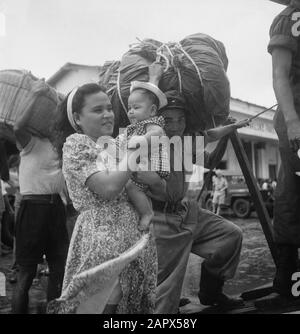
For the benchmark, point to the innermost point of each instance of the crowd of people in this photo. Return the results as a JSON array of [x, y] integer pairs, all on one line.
[[129, 249]]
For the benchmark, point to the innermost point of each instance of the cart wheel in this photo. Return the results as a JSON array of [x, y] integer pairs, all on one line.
[[209, 204], [241, 208]]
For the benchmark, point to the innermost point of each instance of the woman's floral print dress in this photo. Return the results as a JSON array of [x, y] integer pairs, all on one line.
[[104, 230]]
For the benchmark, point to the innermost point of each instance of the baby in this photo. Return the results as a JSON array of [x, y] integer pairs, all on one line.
[[143, 103]]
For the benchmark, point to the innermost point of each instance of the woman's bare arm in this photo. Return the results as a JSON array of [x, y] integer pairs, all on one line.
[[108, 184]]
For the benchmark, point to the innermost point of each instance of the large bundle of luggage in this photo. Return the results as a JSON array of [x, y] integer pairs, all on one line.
[[20, 90], [283, 2], [294, 3], [196, 66]]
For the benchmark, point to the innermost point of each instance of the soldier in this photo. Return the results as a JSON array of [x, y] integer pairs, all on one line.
[[284, 48]]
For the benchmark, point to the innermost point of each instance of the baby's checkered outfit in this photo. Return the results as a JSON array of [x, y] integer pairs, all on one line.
[[159, 159]]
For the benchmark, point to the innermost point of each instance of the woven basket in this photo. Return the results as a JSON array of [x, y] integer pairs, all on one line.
[[18, 93]]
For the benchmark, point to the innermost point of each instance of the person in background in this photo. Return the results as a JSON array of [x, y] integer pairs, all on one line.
[[41, 220], [265, 185], [219, 186], [7, 219], [14, 162], [274, 184]]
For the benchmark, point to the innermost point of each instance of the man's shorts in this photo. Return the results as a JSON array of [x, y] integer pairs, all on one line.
[[41, 230], [219, 197]]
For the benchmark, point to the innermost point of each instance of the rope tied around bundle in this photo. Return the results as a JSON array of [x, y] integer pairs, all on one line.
[[168, 52], [180, 48], [172, 62], [119, 92]]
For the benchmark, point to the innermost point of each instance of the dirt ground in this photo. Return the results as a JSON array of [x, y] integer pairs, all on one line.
[[256, 268]]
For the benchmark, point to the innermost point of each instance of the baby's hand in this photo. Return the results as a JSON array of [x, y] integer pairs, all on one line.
[[243, 123], [135, 140]]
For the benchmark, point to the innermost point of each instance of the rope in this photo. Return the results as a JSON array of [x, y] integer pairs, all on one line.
[[179, 79], [179, 46], [161, 55], [172, 63], [111, 89], [177, 69], [119, 92], [213, 120], [262, 112], [170, 52]]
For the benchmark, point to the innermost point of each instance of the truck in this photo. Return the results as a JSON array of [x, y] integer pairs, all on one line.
[[238, 198]]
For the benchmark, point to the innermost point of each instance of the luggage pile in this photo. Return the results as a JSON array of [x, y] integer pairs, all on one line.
[[19, 91], [196, 66]]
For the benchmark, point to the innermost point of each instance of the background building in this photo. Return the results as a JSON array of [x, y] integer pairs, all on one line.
[[259, 139]]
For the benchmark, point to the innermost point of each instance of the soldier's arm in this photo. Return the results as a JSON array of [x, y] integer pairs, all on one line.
[[282, 62]]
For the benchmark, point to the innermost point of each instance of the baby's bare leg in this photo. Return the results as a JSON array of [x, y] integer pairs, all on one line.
[[142, 204]]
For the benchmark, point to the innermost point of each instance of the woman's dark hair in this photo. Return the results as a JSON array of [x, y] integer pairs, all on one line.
[[61, 127]]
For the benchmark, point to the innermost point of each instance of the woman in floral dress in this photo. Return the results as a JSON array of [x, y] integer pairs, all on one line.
[[107, 226]]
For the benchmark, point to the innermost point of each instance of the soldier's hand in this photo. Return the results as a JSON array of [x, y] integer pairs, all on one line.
[[243, 123], [156, 71], [293, 132]]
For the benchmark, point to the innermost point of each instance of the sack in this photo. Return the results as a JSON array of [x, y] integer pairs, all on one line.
[[197, 68], [285, 2], [20, 90], [294, 3]]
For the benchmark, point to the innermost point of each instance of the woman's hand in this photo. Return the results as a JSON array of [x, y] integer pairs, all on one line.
[[157, 185], [149, 178]]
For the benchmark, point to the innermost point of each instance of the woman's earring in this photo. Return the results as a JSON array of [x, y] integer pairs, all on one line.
[[78, 128]]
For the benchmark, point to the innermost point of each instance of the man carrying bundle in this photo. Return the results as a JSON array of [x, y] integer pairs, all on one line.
[[41, 221], [181, 226]]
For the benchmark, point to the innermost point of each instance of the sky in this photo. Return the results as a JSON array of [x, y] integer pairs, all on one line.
[[43, 35]]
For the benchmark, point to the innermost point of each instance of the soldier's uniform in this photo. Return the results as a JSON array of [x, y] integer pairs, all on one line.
[[287, 195]]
